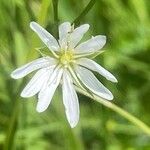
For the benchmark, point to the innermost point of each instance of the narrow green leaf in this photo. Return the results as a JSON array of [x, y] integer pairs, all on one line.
[[84, 12]]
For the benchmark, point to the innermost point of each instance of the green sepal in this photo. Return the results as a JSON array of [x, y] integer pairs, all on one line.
[[44, 51]]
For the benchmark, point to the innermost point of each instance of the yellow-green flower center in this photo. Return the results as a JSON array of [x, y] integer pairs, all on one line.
[[66, 58]]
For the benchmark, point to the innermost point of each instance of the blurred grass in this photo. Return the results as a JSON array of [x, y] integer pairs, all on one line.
[[127, 27]]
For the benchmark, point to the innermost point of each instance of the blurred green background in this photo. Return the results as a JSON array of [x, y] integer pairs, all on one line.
[[126, 23]]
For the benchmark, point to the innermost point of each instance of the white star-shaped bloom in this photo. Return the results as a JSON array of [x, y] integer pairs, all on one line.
[[69, 67]]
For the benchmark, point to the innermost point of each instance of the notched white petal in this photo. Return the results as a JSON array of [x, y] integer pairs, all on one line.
[[77, 34], [45, 36], [92, 83], [70, 100], [92, 65], [36, 83], [64, 30], [32, 66], [47, 92], [92, 45]]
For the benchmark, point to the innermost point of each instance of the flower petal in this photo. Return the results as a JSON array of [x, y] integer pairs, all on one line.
[[77, 34], [92, 83], [32, 66], [45, 36], [36, 83], [47, 92], [92, 65], [92, 45], [64, 29], [70, 100]]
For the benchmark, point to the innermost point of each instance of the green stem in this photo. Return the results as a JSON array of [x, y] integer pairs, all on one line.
[[119, 110], [12, 127], [84, 12], [56, 19], [13, 120]]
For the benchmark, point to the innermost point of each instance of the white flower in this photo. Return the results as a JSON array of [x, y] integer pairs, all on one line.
[[68, 66]]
